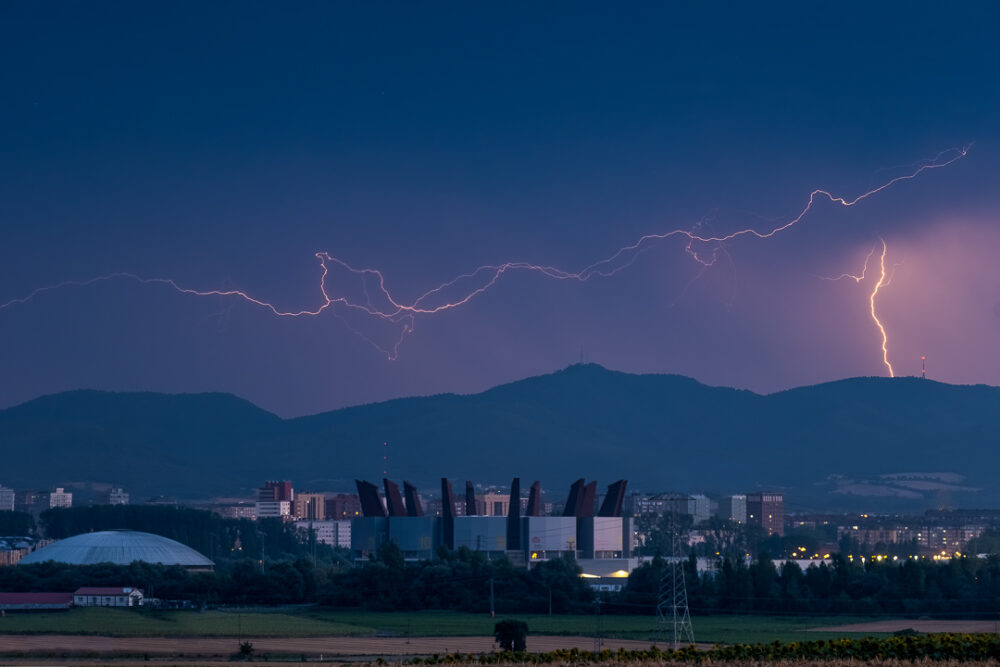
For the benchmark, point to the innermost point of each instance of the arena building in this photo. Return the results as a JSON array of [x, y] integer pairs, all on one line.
[[121, 547]]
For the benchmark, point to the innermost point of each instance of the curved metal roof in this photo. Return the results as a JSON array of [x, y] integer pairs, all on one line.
[[118, 546]]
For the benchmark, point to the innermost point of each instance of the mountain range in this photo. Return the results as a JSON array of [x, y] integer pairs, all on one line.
[[874, 444]]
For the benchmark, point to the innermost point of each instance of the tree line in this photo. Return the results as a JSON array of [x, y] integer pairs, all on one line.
[[270, 562], [16, 524], [462, 580], [232, 583], [961, 587], [456, 580]]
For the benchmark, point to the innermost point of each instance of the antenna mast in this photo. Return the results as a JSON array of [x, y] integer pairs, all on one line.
[[923, 367]]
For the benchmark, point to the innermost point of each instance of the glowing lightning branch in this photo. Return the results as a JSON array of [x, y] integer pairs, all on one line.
[[470, 285], [871, 300], [884, 279], [859, 277]]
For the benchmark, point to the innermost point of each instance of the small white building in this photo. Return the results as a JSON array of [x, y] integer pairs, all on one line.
[[281, 509], [108, 597]]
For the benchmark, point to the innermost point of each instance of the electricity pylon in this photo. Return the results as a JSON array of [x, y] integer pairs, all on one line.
[[674, 617]]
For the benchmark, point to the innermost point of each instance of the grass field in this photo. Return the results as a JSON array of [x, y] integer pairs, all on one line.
[[317, 622]]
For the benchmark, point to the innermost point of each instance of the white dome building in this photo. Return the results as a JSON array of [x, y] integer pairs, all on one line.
[[121, 547]]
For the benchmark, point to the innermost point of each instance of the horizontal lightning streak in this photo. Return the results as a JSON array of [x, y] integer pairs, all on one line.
[[399, 312]]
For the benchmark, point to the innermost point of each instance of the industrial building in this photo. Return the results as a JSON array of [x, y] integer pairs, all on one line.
[[480, 533], [367, 535], [523, 535]]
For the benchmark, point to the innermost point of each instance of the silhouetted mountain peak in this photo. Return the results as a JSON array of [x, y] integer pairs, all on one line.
[[826, 445]]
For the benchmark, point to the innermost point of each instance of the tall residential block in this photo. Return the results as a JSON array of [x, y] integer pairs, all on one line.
[[274, 500], [276, 491], [700, 508], [767, 511], [343, 506], [733, 508], [492, 504], [309, 506], [6, 499], [24, 501]]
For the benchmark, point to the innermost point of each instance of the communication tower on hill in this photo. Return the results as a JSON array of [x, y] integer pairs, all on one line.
[[673, 615], [923, 367]]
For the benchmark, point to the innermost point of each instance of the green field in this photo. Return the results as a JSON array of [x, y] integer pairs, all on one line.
[[314, 622]]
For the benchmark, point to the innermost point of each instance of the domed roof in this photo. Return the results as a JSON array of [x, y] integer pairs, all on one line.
[[121, 547]]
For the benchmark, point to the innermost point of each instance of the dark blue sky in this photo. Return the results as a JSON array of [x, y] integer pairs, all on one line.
[[223, 144]]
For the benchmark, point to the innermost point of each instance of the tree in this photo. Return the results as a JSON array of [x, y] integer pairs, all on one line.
[[391, 555], [987, 543], [511, 635], [16, 523]]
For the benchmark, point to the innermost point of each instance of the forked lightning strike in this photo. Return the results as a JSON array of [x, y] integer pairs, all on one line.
[[484, 277], [883, 281]]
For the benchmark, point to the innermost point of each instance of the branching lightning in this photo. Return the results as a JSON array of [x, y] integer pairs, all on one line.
[[884, 279], [376, 300], [871, 301]]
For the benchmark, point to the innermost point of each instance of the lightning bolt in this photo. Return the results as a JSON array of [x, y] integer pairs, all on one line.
[[884, 279], [470, 285], [871, 301]]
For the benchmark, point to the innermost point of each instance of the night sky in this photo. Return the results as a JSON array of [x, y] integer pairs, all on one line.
[[222, 145]]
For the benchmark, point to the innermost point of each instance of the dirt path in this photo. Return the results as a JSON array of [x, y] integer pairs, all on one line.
[[918, 625], [210, 647]]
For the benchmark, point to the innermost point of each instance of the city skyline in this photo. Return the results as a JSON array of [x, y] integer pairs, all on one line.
[[394, 331]]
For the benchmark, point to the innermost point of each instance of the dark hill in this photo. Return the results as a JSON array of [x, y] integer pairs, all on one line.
[[864, 442], [151, 443]]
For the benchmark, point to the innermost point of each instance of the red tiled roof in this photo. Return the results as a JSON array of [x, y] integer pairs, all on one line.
[[36, 598], [104, 591]]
